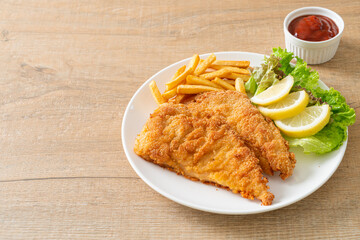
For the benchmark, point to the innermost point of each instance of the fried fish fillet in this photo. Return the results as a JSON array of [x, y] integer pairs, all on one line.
[[258, 132], [205, 149]]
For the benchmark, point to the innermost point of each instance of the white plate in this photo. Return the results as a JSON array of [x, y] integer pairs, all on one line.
[[310, 173]]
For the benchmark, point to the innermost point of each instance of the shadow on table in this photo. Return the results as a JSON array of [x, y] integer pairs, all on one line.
[[325, 206], [346, 58]]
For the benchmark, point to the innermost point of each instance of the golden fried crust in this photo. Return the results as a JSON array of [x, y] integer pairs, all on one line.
[[205, 149], [259, 133]]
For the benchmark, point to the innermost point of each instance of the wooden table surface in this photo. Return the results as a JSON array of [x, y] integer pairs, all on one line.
[[67, 72]]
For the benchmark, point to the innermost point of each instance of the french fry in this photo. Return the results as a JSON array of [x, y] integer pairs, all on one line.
[[178, 72], [239, 85], [238, 75], [194, 80], [208, 70], [241, 64], [189, 70], [230, 81], [201, 75], [204, 65], [223, 84], [179, 98], [156, 93], [194, 89], [169, 94], [212, 75], [232, 69]]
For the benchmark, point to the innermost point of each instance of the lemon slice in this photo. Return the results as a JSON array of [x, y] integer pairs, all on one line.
[[274, 93], [291, 105], [306, 123]]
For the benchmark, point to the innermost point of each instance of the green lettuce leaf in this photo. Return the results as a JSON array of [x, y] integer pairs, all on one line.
[[251, 86], [308, 79], [266, 75], [330, 138], [303, 76], [333, 134], [341, 112], [266, 81], [285, 58]]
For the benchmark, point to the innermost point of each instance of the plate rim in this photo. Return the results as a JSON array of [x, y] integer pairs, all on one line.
[[342, 150]]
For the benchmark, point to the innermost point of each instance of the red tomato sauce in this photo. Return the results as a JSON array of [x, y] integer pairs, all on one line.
[[313, 28]]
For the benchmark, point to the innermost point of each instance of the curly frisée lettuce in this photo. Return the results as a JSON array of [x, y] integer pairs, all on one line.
[[264, 76], [278, 65]]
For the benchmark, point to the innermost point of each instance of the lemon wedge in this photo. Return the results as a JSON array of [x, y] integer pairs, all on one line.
[[306, 123], [291, 105], [274, 93]]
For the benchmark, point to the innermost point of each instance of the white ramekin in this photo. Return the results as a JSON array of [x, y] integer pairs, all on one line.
[[313, 52]]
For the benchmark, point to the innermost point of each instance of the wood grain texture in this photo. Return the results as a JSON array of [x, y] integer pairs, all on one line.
[[68, 70]]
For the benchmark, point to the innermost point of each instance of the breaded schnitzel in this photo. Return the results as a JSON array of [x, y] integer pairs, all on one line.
[[202, 148], [258, 132]]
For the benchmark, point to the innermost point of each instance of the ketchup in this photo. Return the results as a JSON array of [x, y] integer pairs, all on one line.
[[314, 28]]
